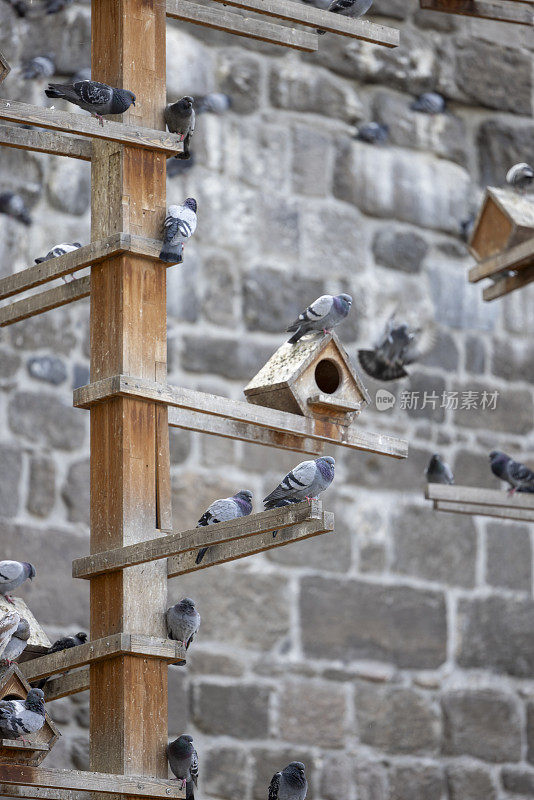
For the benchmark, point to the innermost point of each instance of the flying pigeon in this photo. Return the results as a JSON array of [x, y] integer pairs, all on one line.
[[240, 505], [12, 575], [97, 98], [18, 642], [438, 471], [180, 119], [520, 478], [8, 625], [18, 717], [213, 103], [290, 784], [397, 348], [38, 67], [180, 224], [429, 103], [58, 250], [520, 177], [324, 314], [183, 621], [14, 206], [306, 481], [372, 133], [183, 761], [349, 8], [63, 643]]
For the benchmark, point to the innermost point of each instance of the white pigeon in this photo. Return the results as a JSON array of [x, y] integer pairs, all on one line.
[[180, 224], [12, 575], [58, 250]]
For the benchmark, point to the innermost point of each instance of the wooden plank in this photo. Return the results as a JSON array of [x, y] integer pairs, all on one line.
[[519, 514], [39, 793], [293, 424], [507, 285], [85, 125], [240, 548], [315, 18], [250, 27], [518, 257], [163, 471], [82, 781], [195, 538], [38, 141], [472, 494], [45, 301], [65, 685], [101, 650], [484, 9], [5, 68]]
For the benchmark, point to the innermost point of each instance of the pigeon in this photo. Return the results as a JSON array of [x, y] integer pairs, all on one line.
[[520, 478], [213, 103], [63, 643], [58, 250], [18, 641], [372, 133], [180, 119], [18, 717], [240, 505], [324, 314], [438, 471], [290, 784], [180, 224], [306, 481], [53, 6], [183, 621], [429, 103], [38, 67], [520, 177], [97, 98], [349, 8], [12, 575], [8, 625], [183, 761], [14, 206], [397, 348]]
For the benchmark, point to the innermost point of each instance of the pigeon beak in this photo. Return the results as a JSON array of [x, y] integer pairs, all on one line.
[[133, 102]]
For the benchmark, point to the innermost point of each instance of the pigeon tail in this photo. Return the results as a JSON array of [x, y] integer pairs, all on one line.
[[200, 555], [296, 336], [377, 368], [54, 90], [172, 255]]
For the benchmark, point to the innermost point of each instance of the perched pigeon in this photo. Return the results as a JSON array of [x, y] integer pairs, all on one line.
[[306, 481], [64, 643], [97, 98], [349, 8], [14, 206], [8, 625], [180, 224], [12, 575], [520, 478], [58, 250], [176, 167], [213, 103], [183, 761], [18, 717], [324, 314], [397, 348], [240, 505], [183, 621], [372, 133], [429, 103], [18, 641], [38, 67], [520, 177], [438, 471], [290, 784], [180, 119]]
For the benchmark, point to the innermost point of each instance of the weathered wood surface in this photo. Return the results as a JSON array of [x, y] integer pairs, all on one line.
[[518, 13], [518, 257], [472, 509], [40, 793], [325, 401], [81, 781], [315, 18], [85, 125], [239, 411], [65, 685], [59, 144], [250, 27], [481, 502], [185, 541], [5, 68], [509, 284], [240, 548], [45, 301]]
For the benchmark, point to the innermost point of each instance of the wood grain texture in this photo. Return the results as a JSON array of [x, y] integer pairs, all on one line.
[[65, 685], [38, 141], [45, 301], [472, 494], [517, 13], [508, 284], [472, 509], [133, 785], [250, 27], [519, 257], [40, 793]]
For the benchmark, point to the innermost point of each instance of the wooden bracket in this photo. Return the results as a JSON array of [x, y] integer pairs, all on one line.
[[65, 685], [481, 502], [58, 144], [508, 284], [5, 69], [516, 12], [45, 301], [515, 258]]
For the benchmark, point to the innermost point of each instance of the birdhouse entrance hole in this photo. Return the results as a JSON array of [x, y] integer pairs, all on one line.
[[327, 376]]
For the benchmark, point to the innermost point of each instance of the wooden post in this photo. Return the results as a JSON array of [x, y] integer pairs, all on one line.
[[128, 334]]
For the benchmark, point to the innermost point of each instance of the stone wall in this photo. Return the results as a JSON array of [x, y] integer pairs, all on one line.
[[395, 657]]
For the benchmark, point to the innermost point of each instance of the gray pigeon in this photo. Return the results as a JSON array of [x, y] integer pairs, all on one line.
[[372, 133], [306, 481], [13, 205], [290, 784], [180, 119], [520, 477], [12, 575], [397, 348], [58, 250], [8, 625], [240, 505], [183, 621], [18, 641], [429, 103], [349, 8], [213, 103], [180, 224], [183, 761], [19, 717], [438, 471], [38, 67], [97, 98], [324, 314], [520, 177]]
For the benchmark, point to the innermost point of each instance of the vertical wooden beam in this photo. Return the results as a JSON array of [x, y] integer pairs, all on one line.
[[128, 334]]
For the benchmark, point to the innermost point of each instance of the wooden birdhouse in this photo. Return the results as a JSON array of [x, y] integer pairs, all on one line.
[[505, 219], [14, 686], [38, 643], [314, 378], [4, 67]]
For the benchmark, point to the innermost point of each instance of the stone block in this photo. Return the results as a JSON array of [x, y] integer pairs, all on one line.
[[508, 556], [482, 723], [241, 711]]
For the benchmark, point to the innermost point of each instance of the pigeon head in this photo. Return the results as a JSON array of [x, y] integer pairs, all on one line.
[[23, 630], [346, 298], [296, 765], [436, 459], [329, 460], [184, 744], [498, 455], [81, 636], [185, 104], [187, 604], [35, 700], [244, 494], [122, 100], [29, 569], [191, 203], [499, 461]]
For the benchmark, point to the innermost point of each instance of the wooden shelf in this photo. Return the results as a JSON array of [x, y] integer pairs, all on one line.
[[517, 12], [515, 258], [481, 502], [59, 144], [45, 301], [508, 284], [65, 685]]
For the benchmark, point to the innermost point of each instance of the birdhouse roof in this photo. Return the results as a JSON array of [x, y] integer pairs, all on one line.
[[38, 639], [518, 207]]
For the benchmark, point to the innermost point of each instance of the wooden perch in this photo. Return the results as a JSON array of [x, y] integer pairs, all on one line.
[[45, 301], [518, 13], [5, 69], [509, 284], [59, 144], [65, 685], [516, 258], [481, 502]]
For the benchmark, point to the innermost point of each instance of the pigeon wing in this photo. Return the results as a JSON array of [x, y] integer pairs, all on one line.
[[193, 769], [318, 310], [519, 473], [8, 625], [170, 228], [93, 92], [295, 482], [274, 786], [10, 571]]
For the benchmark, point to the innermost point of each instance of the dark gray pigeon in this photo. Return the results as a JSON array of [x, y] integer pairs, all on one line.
[[183, 621], [38, 67], [429, 103], [520, 177], [8, 625], [183, 761], [18, 642], [180, 224], [306, 481], [13, 205], [63, 643], [180, 119], [520, 477], [349, 8], [397, 348], [20, 717], [12, 575], [438, 471], [372, 133], [58, 250], [97, 98], [290, 784], [240, 505], [324, 314], [213, 103]]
